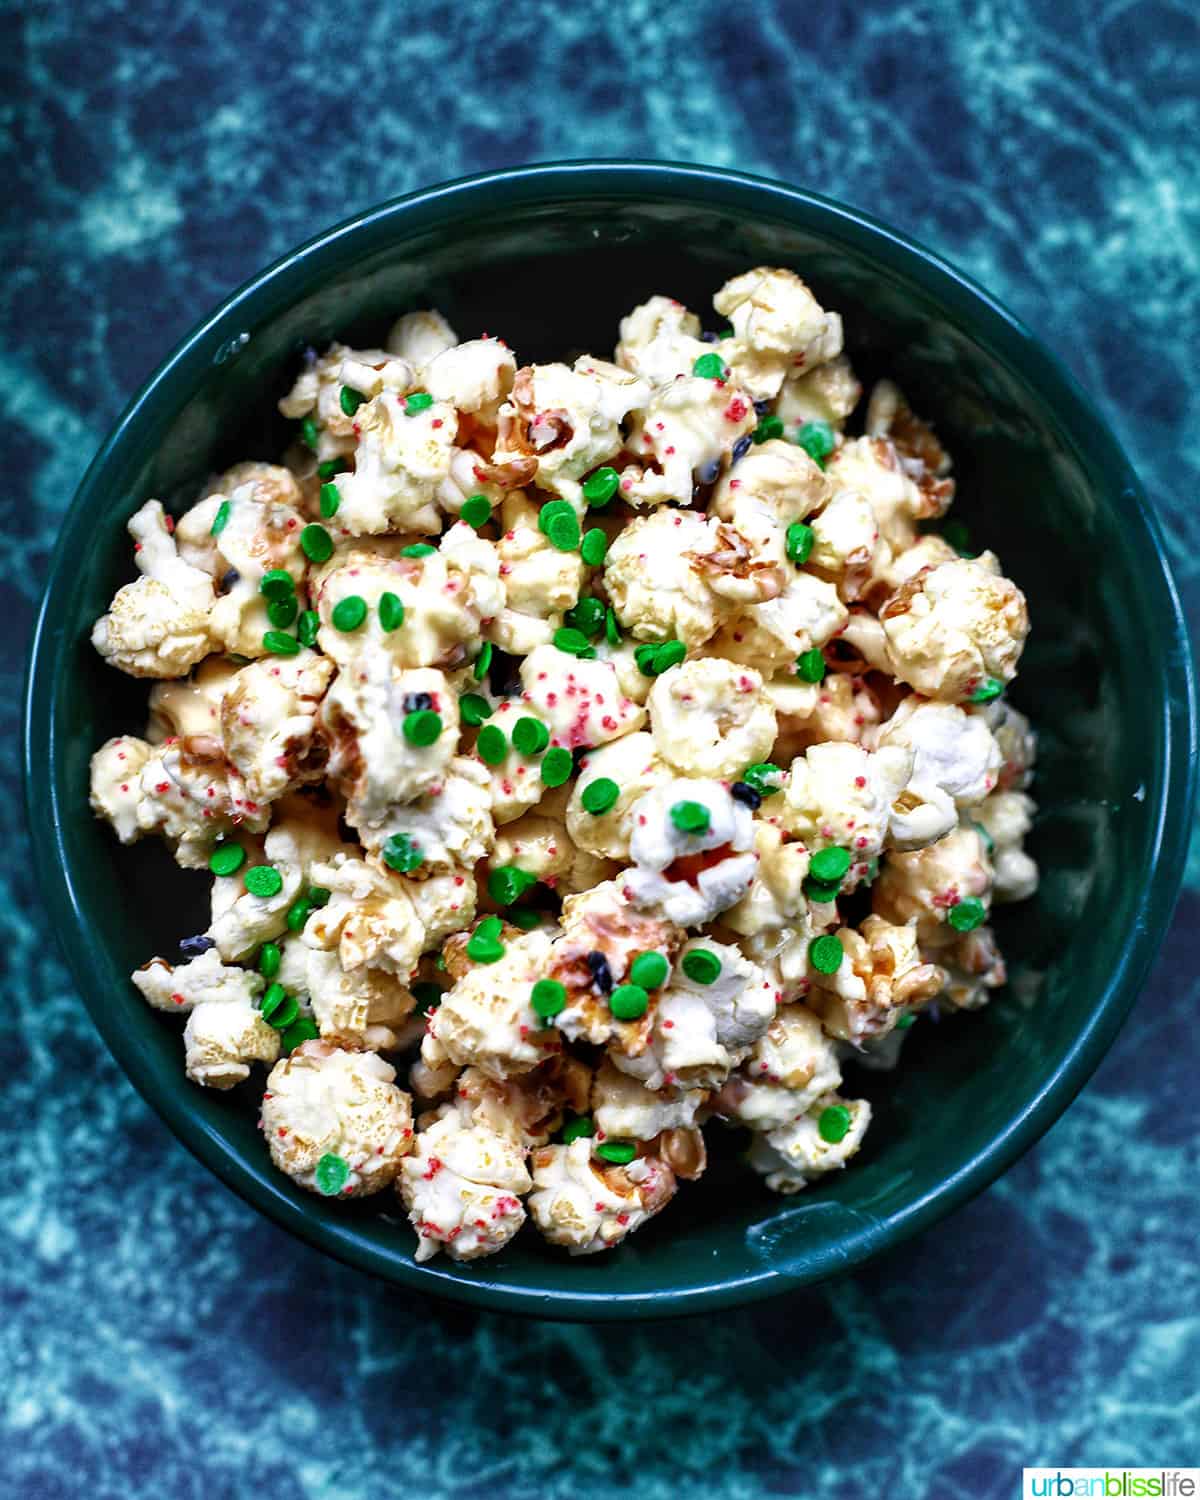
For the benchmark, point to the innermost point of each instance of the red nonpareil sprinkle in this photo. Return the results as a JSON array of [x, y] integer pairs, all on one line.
[[668, 1025], [177, 997], [437, 422], [137, 546], [124, 786], [282, 1131], [163, 786], [169, 523], [627, 484], [736, 410], [860, 842], [459, 880], [435, 1167], [860, 781], [669, 450]]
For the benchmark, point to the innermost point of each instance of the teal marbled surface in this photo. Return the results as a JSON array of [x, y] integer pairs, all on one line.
[[158, 1338]]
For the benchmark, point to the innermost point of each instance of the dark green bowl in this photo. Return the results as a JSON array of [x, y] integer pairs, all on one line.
[[552, 256]]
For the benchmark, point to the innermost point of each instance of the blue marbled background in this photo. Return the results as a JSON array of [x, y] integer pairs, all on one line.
[[157, 1338]]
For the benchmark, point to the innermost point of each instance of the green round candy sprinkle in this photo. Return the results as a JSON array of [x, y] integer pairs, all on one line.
[[308, 626], [274, 997], [422, 727], [649, 970], [298, 914], [473, 709], [822, 892], [764, 777], [599, 795], [557, 766], [769, 427], [281, 612], [988, 689], [799, 540], [418, 549], [579, 1127], [316, 543], [644, 656], [620, 1153], [524, 918], [491, 927], [484, 950], [508, 883], [810, 666], [612, 631], [905, 1021], [331, 498], [563, 531], [391, 611], [817, 440], [572, 641], [957, 534], [401, 854], [830, 866], [593, 547], [350, 400], [220, 520], [966, 916], [548, 997], [530, 736], [302, 1030], [332, 1175], [834, 1124], [587, 615], [349, 613], [263, 880], [482, 662], [427, 995], [269, 959], [601, 485], [710, 367], [691, 817], [277, 584], [226, 859], [418, 401], [628, 1001], [279, 644], [668, 655], [310, 434], [476, 511], [286, 1014], [328, 467], [825, 954], [319, 895], [548, 512], [701, 965], [492, 744]]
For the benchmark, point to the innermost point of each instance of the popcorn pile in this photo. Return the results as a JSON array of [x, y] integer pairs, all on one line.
[[614, 747]]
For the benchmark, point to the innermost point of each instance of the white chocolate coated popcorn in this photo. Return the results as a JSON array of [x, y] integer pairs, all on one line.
[[952, 628], [779, 328], [584, 1204], [710, 718], [796, 1154], [462, 1188], [720, 864], [678, 778], [634, 764], [157, 626], [486, 1021], [788, 1069], [325, 1101], [955, 764]]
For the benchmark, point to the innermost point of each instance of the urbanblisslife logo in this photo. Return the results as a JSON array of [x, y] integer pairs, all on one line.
[[1119, 1484]]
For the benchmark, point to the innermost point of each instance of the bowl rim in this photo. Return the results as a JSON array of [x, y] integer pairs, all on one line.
[[992, 324]]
